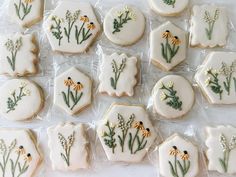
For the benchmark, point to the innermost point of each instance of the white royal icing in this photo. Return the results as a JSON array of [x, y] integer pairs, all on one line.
[[18, 55], [185, 153], [18, 144], [167, 35], [168, 7], [208, 26], [173, 96], [26, 12], [68, 147], [71, 27], [221, 152], [118, 75], [217, 77], [124, 24], [72, 91], [126, 133], [20, 99]]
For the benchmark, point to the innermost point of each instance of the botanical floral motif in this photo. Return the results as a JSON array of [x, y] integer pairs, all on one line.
[[70, 19], [74, 93], [17, 169], [109, 139], [13, 48], [227, 72], [213, 82], [136, 141], [210, 20], [170, 50], [213, 78], [55, 28], [177, 166], [117, 71], [170, 2], [124, 126], [23, 8], [13, 101], [170, 96], [66, 145], [123, 17], [227, 147], [83, 33]]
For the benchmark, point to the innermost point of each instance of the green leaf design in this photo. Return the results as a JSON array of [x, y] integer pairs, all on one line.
[[222, 163], [181, 168], [172, 169], [130, 141]]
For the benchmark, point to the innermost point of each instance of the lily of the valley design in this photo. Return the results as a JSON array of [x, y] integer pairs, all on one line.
[[226, 71], [73, 94], [227, 147], [66, 145], [117, 70], [73, 25], [171, 46], [170, 2], [23, 8], [13, 48], [211, 20], [16, 97], [169, 94], [180, 165], [130, 140], [123, 17], [11, 166]]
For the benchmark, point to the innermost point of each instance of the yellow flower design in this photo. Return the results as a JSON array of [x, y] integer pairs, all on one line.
[[174, 151], [185, 156], [166, 34], [20, 150], [69, 82], [84, 19], [28, 1], [91, 26], [146, 132], [78, 86], [28, 158], [175, 40], [139, 125]]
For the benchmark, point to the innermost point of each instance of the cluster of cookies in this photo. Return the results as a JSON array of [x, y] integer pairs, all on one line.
[[126, 132]]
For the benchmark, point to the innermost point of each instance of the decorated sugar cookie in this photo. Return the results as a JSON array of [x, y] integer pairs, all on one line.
[[72, 91], [173, 97], [168, 7], [72, 27], [217, 77], [221, 152], [18, 55], [126, 133], [118, 75], [208, 26], [68, 147], [26, 12], [167, 46], [18, 153], [178, 157], [124, 25], [20, 99]]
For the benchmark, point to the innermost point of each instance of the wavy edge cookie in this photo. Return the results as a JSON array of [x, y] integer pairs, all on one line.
[[135, 76], [34, 50], [77, 126]]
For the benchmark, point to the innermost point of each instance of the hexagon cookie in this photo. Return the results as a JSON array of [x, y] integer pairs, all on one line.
[[72, 27], [126, 133], [221, 152], [209, 26], [18, 152], [168, 7], [26, 12], [173, 97], [124, 24], [217, 77], [167, 46], [178, 157], [72, 91], [118, 75], [68, 147]]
